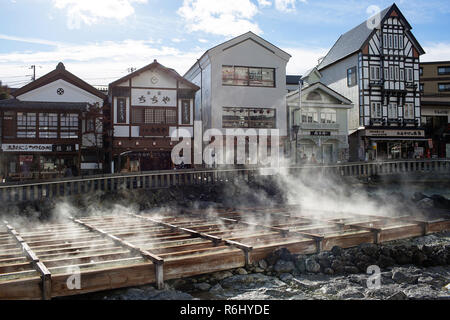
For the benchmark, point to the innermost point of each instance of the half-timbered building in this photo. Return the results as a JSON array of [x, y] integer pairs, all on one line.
[[148, 105], [376, 65], [52, 127]]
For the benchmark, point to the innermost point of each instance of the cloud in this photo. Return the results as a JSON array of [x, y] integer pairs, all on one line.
[[220, 17], [264, 3], [91, 12], [303, 59], [100, 63], [30, 40], [436, 52], [285, 5]]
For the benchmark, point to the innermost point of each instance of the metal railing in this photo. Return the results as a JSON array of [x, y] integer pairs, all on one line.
[[17, 192]]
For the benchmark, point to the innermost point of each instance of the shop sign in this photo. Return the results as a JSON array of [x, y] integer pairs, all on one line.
[[64, 148], [320, 133], [154, 97], [395, 133], [27, 147]]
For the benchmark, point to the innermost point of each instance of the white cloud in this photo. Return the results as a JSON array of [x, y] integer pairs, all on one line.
[[220, 17], [90, 12], [285, 5], [202, 40], [264, 3], [99, 63], [436, 52], [303, 59]]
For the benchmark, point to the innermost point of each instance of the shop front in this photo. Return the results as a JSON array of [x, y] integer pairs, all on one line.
[[39, 161], [391, 144]]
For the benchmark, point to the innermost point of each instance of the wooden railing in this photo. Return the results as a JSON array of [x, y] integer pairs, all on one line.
[[16, 192]]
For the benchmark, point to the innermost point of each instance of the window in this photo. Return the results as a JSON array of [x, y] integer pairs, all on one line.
[[149, 116], [309, 116], [48, 125], [391, 73], [421, 87], [443, 71], [390, 41], [420, 71], [248, 118], [171, 116], [402, 75], [444, 87], [385, 41], [138, 115], [392, 110], [375, 73], [409, 75], [248, 76], [69, 126], [185, 112], [376, 110], [400, 42], [26, 125], [409, 111], [397, 71], [395, 41], [328, 116], [386, 74], [351, 77]]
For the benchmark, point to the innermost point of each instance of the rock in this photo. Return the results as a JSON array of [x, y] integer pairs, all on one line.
[[351, 293], [259, 270], [418, 196], [336, 251], [337, 266], [401, 277], [385, 261], [248, 281], [351, 269], [398, 296], [300, 263], [263, 264], [328, 271], [324, 263], [241, 271], [419, 258], [440, 202], [219, 276], [282, 254], [306, 284], [369, 249], [203, 286], [312, 266], [286, 277], [215, 289], [283, 266], [426, 203]]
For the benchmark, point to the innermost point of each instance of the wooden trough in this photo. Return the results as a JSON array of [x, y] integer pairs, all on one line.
[[77, 256]]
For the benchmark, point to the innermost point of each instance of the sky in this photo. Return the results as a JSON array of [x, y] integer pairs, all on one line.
[[99, 40]]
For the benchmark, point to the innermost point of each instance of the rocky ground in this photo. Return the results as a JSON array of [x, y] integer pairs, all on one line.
[[410, 269]]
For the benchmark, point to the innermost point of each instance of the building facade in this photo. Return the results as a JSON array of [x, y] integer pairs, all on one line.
[[243, 86], [376, 65], [147, 106], [52, 127], [435, 90], [319, 123]]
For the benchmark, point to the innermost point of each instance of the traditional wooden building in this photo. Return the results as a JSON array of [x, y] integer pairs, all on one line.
[[376, 65], [147, 106], [52, 127]]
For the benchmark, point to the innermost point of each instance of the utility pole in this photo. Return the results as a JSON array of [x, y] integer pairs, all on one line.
[[33, 78]]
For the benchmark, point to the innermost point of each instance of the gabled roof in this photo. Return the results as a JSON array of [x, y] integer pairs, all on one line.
[[59, 73], [239, 39], [39, 106], [353, 40], [324, 88], [155, 65]]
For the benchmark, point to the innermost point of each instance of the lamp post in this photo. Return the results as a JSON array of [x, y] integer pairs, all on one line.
[[296, 129]]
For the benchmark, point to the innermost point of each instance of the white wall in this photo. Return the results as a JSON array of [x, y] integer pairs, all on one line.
[[248, 53], [48, 93], [335, 77]]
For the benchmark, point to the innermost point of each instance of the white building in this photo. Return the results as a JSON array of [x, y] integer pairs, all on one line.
[[376, 65], [243, 85], [319, 124]]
